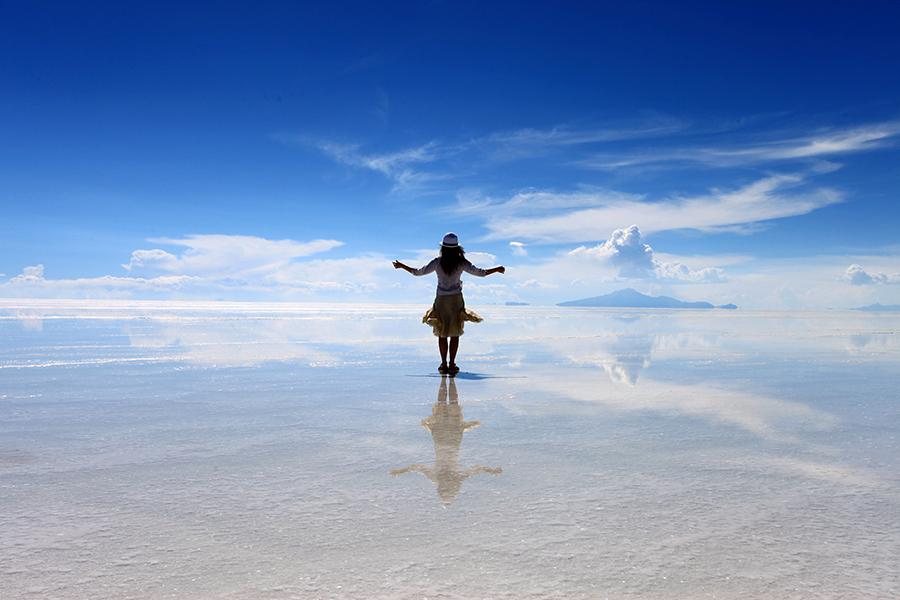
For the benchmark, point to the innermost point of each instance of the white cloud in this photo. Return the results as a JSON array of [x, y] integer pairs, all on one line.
[[538, 203], [483, 290], [481, 259], [529, 142], [599, 269], [633, 258], [358, 274], [567, 135], [399, 166], [825, 143], [762, 200], [681, 272], [220, 256], [625, 250], [29, 275], [404, 167], [152, 259], [856, 275], [536, 284], [325, 279], [32, 282], [518, 248], [797, 283], [220, 266], [764, 416]]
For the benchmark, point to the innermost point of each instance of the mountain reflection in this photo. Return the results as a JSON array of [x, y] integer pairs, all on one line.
[[447, 427]]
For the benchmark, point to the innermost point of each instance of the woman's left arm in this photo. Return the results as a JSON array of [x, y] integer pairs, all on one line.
[[473, 270]]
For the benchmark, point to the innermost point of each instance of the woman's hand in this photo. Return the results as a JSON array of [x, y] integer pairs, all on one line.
[[399, 265], [501, 270], [496, 270]]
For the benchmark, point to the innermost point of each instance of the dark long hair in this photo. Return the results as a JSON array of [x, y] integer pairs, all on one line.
[[452, 259]]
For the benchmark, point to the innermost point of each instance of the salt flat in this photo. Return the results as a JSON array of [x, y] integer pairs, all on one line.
[[202, 450]]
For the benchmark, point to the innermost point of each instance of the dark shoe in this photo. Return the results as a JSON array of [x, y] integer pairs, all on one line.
[[442, 369], [453, 369]]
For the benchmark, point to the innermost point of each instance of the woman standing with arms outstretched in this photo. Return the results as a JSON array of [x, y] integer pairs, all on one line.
[[448, 314]]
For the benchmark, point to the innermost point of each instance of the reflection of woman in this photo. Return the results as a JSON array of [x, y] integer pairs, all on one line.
[[447, 426], [448, 313]]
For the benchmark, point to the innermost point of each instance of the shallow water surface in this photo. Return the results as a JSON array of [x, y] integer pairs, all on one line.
[[311, 451]]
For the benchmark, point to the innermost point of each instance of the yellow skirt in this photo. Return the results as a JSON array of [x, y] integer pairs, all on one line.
[[448, 314]]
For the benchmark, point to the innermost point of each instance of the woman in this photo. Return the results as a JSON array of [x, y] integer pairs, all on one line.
[[447, 315]]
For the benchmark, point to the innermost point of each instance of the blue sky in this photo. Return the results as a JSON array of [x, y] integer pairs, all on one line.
[[279, 152]]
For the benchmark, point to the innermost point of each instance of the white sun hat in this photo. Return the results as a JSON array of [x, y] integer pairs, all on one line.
[[450, 240]]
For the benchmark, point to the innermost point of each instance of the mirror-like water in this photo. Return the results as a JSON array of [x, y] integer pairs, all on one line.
[[265, 451]]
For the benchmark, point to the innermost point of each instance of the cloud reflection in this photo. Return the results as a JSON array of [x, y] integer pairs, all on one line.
[[763, 416]]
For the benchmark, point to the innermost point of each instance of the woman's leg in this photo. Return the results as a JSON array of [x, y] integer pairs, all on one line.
[[442, 347], [454, 346]]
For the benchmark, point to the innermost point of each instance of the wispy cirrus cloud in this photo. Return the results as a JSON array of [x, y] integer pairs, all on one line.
[[529, 141], [620, 147], [816, 145], [397, 166], [402, 167], [413, 167], [553, 217]]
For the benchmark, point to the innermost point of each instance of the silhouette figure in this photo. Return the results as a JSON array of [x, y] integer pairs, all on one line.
[[448, 314], [447, 427]]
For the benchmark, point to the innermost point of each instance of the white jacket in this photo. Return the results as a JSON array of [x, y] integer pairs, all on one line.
[[452, 283]]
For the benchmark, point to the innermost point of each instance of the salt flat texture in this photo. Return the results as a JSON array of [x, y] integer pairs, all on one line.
[[207, 450]]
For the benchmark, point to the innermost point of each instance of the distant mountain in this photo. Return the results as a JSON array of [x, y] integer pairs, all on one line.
[[629, 298], [514, 303], [880, 308]]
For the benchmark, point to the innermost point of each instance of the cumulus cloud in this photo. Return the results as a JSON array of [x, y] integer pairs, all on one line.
[[152, 259], [29, 275], [856, 275], [634, 259], [624, 249], [675, 271]]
